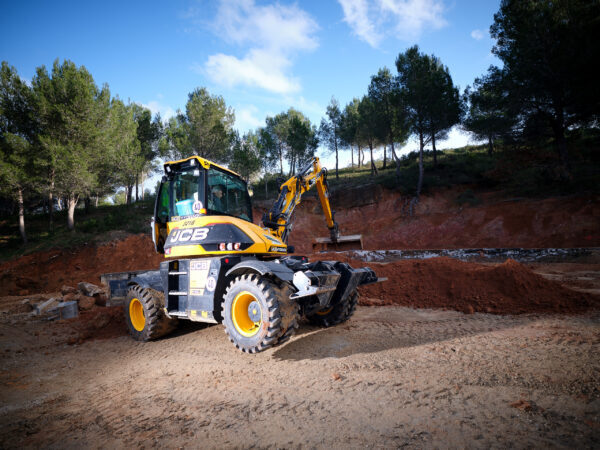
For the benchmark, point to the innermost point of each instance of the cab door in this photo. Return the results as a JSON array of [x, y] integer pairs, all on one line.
[[162, 208]]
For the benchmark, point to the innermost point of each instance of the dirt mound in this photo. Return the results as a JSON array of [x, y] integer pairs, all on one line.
[[49, 271], [507, 288]]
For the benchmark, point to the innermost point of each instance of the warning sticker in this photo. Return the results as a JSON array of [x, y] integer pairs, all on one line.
[[198, 274]]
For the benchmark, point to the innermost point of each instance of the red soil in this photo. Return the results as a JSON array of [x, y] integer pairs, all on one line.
[[436, 283], [439, 222], [507, 288], [48, 271]]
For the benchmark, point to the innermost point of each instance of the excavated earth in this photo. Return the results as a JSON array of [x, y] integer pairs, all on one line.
[[446, 353]]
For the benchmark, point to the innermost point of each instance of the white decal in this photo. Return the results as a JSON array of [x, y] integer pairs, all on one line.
[[197, 206], [188, 234], [199, 234], [211, 283], [185, 235]]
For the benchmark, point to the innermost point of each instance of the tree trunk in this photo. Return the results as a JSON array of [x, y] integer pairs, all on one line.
[[337, 177], [266, 188], [373, 166], [142, 175], [420, 183], [21, 215], [137, 194], [51, 201], [128, 194], [358, 157], [434, 150], [561, 143], [396, 160], [87, 201], [351, 157], [97, 196], [72, 200], [384, 156], [490, 145], [280, 161]]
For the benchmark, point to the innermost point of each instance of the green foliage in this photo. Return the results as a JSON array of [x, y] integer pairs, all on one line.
[[488, 116], [547, 49], [330, 130], [100, 225], [289, 135], [385, 93], [204, 130], [246, 155]]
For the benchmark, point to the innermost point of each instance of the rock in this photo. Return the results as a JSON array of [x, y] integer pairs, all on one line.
[[336, 376], [23, 292], [46, 306], [86, 303], [23, 307], [523, 405], [27, 304], [101, 299], [72, 296], [68, 290], [89, 289]]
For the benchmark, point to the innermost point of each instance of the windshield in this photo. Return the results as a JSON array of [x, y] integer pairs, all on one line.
[[227, 194], [187, 192]]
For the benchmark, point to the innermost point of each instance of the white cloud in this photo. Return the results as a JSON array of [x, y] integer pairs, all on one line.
[[271, 36], [357, 17], [477, 35], [407, 19], [245, 118], [166, 112], [258, 68]]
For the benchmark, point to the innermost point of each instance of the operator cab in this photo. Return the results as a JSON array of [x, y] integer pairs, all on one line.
[[195, 187]]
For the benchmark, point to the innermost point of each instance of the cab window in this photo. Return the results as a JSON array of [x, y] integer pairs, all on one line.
[[162, 206], [187, 188], [227, 194]]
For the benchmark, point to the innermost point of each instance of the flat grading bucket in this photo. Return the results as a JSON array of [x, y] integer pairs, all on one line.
[[351, 242]]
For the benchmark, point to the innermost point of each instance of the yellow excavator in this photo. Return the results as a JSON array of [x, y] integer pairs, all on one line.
[[221, 267]]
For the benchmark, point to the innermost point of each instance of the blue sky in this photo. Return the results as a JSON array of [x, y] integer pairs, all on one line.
[[262, 57]]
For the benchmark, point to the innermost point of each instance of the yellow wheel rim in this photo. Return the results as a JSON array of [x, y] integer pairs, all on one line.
[[240, 317], [324, 312], [136, 314]]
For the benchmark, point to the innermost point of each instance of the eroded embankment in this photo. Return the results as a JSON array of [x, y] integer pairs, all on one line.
[[507, 288], [382, 218], [48, 271]]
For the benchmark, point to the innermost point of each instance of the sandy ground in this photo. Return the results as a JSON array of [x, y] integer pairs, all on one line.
[[390, 377]]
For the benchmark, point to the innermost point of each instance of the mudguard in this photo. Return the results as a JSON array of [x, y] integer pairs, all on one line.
[[279, 271], [150, 279]]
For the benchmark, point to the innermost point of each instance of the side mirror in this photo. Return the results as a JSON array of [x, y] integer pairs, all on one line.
[[291, 249]]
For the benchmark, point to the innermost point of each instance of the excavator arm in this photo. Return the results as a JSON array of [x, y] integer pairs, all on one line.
[[290, 194]]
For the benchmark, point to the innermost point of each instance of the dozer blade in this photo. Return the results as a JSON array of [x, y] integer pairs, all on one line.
[[351, 242]]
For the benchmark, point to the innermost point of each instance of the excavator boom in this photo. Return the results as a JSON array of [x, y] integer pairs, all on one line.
[[278, 219]]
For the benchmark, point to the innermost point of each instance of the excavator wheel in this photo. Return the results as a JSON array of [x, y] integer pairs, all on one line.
[[336, 314], [258, 314], [144, 314]]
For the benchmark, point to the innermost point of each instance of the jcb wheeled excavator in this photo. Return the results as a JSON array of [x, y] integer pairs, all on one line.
[[221, 267]]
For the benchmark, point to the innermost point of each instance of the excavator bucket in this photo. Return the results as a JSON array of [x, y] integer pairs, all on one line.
[[351, 242]]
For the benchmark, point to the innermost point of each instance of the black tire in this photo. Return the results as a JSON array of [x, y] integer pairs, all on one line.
[[150, 303], [336, 314], [277, 312]]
